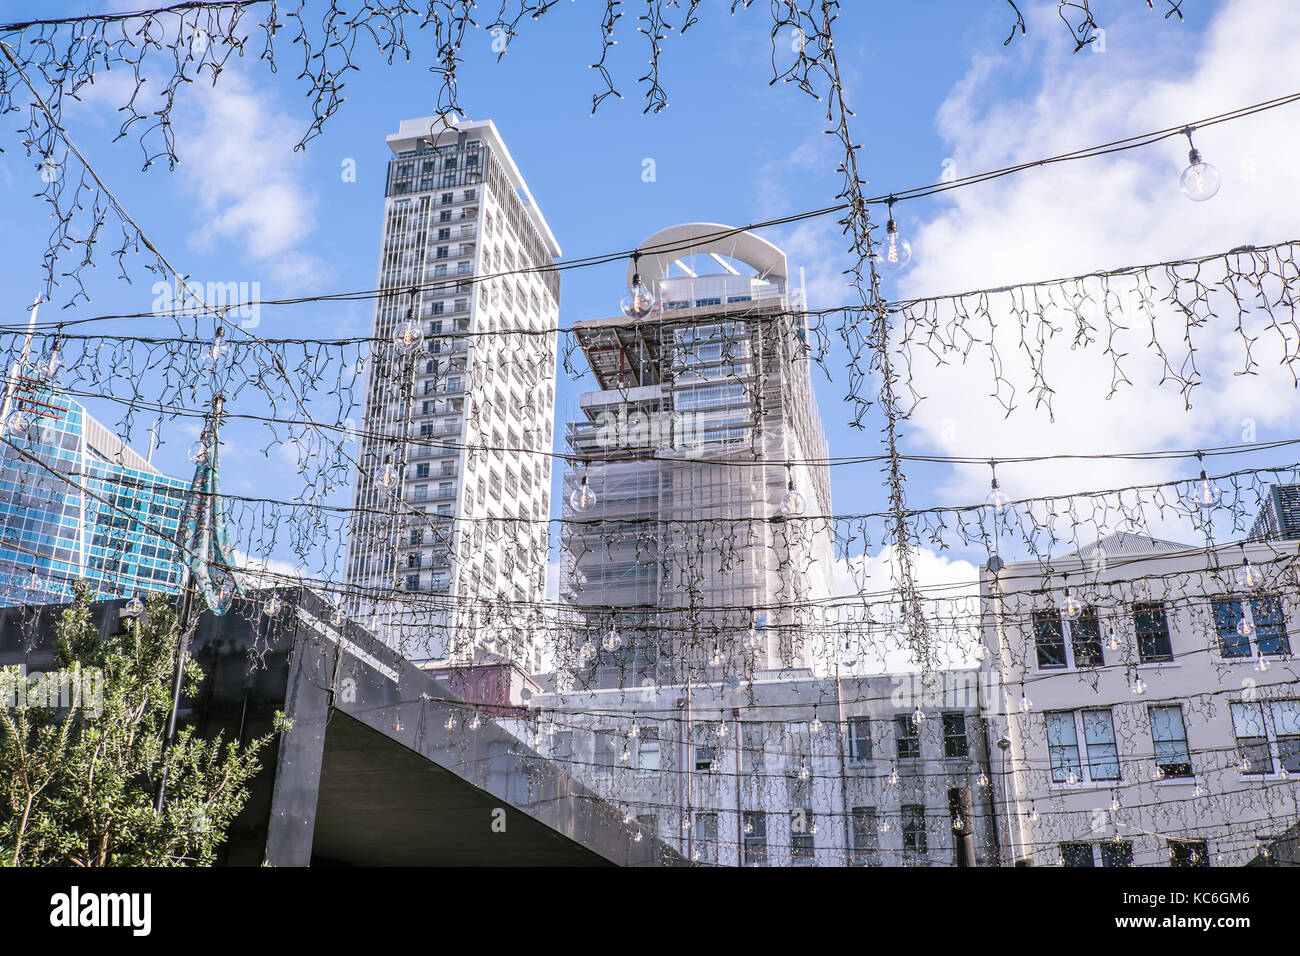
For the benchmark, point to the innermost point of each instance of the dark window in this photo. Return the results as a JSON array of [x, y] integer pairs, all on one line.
[[1188, 853], [1049, 639], [859, 738], [1152, 633], [914, 838], [909, 739], [866, 837], [1169, 736], [1085, 636], [1117, 853], [755, 842], [1270, 626], [1227, 619], [954, 736], [1076, 854], [802, 847]]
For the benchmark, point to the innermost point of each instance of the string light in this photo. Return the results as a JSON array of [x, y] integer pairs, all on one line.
[[897, 251], [639, 301], [1200, 180]]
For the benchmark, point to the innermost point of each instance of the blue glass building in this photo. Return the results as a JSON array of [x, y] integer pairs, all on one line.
[[78, 504]]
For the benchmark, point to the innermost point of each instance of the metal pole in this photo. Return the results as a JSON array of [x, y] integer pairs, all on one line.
[[182, 653]]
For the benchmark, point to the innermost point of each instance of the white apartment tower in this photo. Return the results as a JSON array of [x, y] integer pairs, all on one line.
[[685, 562], [447, 556]]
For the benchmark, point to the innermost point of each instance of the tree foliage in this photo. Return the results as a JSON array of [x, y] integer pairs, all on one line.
[[78, 782]]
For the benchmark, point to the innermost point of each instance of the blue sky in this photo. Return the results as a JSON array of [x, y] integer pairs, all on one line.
[[933, 88]]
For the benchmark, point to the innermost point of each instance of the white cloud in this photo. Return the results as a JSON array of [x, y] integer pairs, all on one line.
[[237, 157], [1104, 213]]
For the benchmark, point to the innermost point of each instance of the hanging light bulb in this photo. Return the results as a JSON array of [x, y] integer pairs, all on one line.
[[451, 722], [1244, 627], [803, 771], [50, 364], [1139, 686], [1070, 606], [218, 347], [273, 606], [816, 725], [721, 731], [1200, 180], [997, 499], [134, 607], [338, 618], [407, 336], [793, 503], [1026, 703], [17, 422], [198, 453], [1114, 640], [893, 776], [611, 640], [637, 837], [475, 722], [983, 781], [625, 754], [386, 474], [35, 582], [981, 652], [634, 731], [918, 716], [1262, 666], [588, 651], [717, 659], [1249, 576], [639, 301], [1206, 494], [753, 640], [897, 250], [1033, 814], [220, 598], [1072, 778], [583, 498]]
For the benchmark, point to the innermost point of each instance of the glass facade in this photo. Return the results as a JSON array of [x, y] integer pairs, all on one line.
[[76, 504]]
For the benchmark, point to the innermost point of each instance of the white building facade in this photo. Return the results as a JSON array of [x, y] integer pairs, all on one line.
[[454, 533]]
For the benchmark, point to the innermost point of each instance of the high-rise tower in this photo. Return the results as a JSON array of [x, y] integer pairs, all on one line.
[[448, 546], [698, 546]]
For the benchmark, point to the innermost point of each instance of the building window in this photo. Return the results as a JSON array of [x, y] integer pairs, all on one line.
[[705, 757], [753, 745], [866, 837], [754, 838], [859, 738], [706, 838], [1152, 626], [1169, 737], [955, 743], [1049, 639], [1085, 639], [802, 835], [647, 752], [1095, 727], [1112, 853], [1076, 854], [605, 752], [1237, 623], [914, 836], [1268, 734], [562, 745], [1188, 853], [907, 737]]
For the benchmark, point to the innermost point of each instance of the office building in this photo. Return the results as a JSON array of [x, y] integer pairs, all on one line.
[[1279, 515]]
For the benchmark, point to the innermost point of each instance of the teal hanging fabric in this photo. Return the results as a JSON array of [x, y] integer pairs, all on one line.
[[205, 538]]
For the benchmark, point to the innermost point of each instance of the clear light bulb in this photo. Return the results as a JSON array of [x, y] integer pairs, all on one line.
[[983, 781], [721, 731], [1072, 779], [1200, 180], [386, 474], [716, 659], [451, 722], [1206, 495], [639, 301], [1025, 704], [17, 423], [793, 504], [980, 652], [997, 499], [221, 598], [918, 716], [816, 725], [35, 582], [273, 606], [1262, 666], [198, 453], [611, 640], [896, 250], [338, 618], [634, 731], [753, 640], [893, 776], [1244, 627], [588, 651], [217, 348], [1139, 686], [583, 498], [134, 607], [803, 771], [1033, 815], [475, 723], [1070, 607], [1249, 576], [49, 365], [407, 336]]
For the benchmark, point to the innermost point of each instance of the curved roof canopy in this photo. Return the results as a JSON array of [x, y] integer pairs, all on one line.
[[668, 246]]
